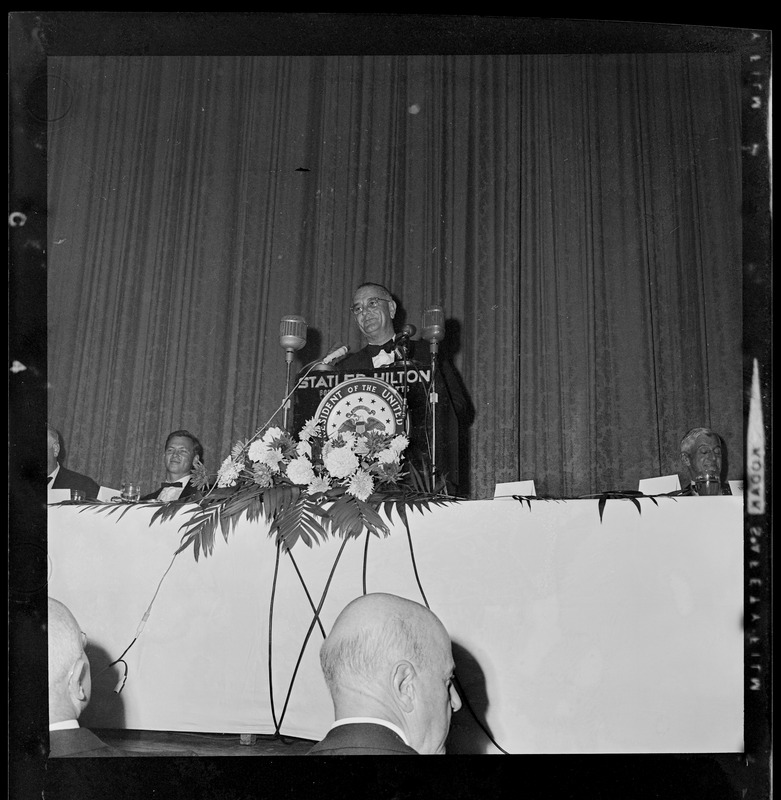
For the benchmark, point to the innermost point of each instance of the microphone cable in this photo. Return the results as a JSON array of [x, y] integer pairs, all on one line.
[[268, 421], [459, 688], [121, 660]]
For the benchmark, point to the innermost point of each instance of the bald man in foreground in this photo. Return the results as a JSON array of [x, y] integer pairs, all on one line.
[[70, 687], [388, 664]]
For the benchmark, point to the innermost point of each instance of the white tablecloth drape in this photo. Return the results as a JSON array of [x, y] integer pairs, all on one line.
[[571, 634]]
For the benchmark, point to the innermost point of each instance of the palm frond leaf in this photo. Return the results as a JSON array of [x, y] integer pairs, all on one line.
[[302, 520], [199, 531]]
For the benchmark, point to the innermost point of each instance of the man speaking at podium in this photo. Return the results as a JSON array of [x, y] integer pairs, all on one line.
[[374, 310]]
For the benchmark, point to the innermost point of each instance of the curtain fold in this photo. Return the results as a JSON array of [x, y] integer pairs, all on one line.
[[577, 217]]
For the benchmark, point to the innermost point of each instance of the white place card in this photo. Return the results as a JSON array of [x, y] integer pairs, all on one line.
[[661, 485], [108, 495], [522, 488]]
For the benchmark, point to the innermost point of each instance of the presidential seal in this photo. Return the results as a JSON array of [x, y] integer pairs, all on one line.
[[360, 405]]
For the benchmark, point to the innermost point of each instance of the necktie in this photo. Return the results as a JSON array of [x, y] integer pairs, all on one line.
[[163, 485]]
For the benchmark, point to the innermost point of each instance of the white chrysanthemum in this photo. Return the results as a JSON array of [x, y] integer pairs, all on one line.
[[271, 434], [399, 443], [340, 462], [387, 456], [271, 457], [228, 473], [300, 471], [361, 485], [256, 450], [319, 484], [308, 430], [303, 448]]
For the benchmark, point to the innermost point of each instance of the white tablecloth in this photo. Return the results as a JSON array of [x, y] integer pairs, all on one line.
[[571, 634]]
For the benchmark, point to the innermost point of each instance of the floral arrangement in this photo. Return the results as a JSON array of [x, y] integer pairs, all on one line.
[[306, 488]]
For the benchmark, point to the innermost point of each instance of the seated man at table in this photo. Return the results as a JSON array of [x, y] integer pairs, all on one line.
[[701, 456], [61, 478], [70, 687], [181, 453], [388, 664]]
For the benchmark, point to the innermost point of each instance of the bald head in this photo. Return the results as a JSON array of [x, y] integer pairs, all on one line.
[[69, 672], [391, 658]]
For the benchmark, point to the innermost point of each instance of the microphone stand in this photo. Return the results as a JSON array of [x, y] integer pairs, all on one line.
[[433, 399], [286, 412], [403, 348]]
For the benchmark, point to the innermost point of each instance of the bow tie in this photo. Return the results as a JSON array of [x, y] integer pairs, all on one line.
[[388, 347], [49, 480], [164, 485]]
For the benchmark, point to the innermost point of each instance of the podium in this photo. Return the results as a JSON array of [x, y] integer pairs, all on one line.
[[400, 398]]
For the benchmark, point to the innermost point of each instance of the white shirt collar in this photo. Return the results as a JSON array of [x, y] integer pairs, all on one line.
[[64, 725], [53, 475], [374, 721], [383, 358]]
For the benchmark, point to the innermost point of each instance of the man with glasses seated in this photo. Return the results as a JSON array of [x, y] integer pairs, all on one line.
[[388, 664], [70, 688]]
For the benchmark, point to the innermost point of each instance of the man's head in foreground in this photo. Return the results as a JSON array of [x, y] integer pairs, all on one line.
[[391, 658]]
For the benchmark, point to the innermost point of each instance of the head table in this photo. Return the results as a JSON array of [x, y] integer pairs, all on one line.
[[571, 633]]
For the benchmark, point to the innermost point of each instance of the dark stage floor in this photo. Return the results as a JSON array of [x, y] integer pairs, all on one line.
[[177, 744]]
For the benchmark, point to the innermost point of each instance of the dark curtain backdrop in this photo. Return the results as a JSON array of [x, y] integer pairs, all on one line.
[[578, 217]]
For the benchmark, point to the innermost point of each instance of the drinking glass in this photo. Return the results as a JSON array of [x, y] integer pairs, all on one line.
[[707, 484], [131, 492], [78, 495]]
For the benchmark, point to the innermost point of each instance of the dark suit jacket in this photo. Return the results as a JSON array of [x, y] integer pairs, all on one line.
[[68, 479], [361, 739], [78, 742], [188, 490], [453, 395]]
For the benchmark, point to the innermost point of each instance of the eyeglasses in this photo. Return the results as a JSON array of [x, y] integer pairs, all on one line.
[[369, 305]]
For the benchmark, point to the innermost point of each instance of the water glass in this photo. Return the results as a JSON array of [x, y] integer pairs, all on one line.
[[78, 495], [131, 492], [707, 484]]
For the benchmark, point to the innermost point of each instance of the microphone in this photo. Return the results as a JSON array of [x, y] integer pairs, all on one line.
[[401, 341], [433, 326], [405, 334], [292, 334], [337, 354]]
